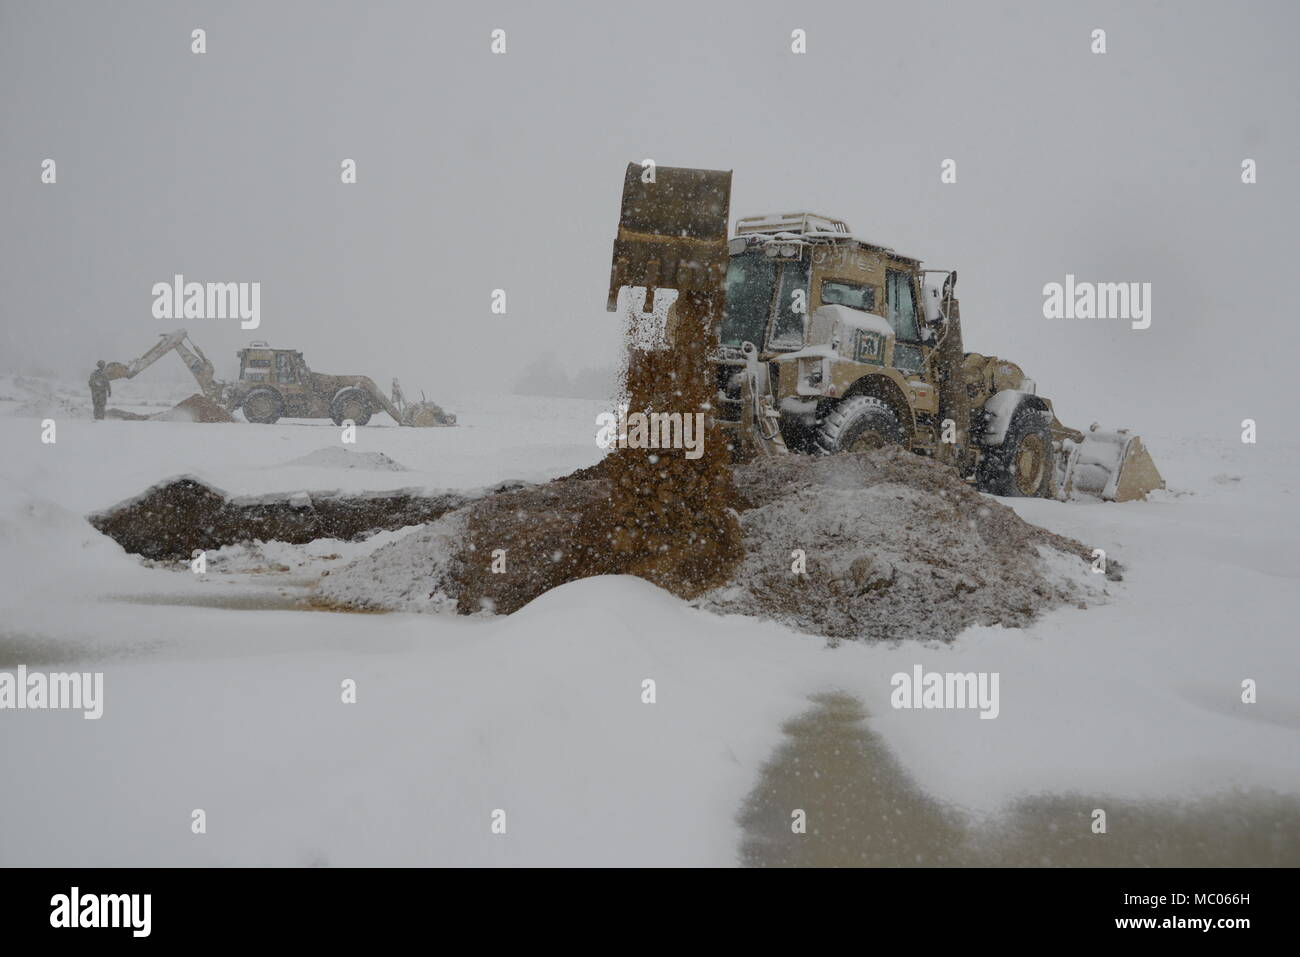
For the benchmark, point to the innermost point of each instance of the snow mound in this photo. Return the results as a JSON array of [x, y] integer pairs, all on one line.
[[337, 457], [892, 546], [31, 526], [41, 399], [415, 573]]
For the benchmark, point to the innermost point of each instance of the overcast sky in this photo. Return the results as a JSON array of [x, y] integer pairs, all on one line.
[[478, 171]]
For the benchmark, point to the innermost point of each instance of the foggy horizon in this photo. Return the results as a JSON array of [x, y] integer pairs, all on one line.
[[478, 171]]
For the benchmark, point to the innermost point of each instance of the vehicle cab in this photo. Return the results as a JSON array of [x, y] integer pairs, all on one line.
[[824, 310]]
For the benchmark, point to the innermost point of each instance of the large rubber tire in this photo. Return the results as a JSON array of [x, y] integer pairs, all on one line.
[[263, 406], [858, 424], [354, 404], [1022, 466]]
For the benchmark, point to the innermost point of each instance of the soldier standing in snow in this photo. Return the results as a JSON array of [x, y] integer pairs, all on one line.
[[100, 390]]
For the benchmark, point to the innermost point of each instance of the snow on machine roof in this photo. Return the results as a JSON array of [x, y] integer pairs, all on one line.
[[803, 227]]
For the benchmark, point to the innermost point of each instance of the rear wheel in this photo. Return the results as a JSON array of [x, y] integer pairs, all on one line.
[[1022, 466], [263, 407], [858, 424], [351, 404]]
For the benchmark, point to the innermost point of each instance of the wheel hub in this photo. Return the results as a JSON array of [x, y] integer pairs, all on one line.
[[867, 441], [1029, 464]]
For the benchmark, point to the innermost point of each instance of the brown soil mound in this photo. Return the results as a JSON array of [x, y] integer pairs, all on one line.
[[654, 513], [894, 547], [197, 408], [547, 535]]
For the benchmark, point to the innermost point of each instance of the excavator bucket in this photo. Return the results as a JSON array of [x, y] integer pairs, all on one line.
[[672, 231], [1113, 466]]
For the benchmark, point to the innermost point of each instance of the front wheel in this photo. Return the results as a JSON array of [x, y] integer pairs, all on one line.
[[351, 404], [858, 424], [1021, 467], [262, 406]]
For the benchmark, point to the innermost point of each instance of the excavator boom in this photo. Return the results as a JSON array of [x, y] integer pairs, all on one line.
[[198, 363]]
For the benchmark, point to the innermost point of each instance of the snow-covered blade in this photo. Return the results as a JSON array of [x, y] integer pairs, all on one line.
[[1113, 466]]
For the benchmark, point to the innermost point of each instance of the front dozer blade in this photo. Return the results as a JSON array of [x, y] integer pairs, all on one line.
[[1113, 466], [424, 415]]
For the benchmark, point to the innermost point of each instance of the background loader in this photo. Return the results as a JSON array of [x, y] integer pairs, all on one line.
[[830, 343], [277, 383]]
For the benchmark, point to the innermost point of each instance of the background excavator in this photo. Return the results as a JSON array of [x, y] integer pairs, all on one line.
[[828, 343], [276, 383]]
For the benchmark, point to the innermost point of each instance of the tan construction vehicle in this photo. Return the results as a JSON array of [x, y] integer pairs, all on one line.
[[277, 383], [831, 343]]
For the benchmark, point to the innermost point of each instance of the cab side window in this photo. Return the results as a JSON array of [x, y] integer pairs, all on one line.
[[283, 369], [901, 307]]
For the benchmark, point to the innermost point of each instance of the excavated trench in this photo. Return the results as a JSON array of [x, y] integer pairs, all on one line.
[[174, 518]]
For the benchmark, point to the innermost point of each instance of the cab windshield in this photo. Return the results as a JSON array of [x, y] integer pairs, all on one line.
[[753, 282], [749, 299]]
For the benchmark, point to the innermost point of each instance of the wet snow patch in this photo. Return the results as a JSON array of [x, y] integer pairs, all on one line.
[[337, 457]]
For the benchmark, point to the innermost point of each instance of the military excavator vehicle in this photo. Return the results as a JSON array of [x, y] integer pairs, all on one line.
[[277, 383], [831, 343]]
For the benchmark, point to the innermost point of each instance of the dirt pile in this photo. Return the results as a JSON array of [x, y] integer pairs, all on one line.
[[197, 408], [893, 547], [656, 507], [888, 545], [172, 519], [496, 556], [522, 544]]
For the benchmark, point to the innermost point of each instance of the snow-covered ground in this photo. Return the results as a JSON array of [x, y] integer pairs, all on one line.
[[221, 694]]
